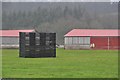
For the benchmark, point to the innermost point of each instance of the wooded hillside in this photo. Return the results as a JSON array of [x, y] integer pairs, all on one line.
[[59, 17]]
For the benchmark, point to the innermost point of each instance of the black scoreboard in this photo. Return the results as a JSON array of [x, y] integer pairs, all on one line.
[[37, 44]]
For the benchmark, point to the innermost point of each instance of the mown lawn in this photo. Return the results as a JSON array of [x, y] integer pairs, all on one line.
[[67, 64]]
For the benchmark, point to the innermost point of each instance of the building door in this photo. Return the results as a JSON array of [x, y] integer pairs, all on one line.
[[99, 42], [113, 42]]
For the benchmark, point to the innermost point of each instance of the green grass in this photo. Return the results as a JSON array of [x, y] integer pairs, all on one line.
[[67, 64]]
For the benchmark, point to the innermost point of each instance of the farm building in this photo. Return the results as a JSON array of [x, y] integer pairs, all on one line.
[[10, 38], [92, 39]]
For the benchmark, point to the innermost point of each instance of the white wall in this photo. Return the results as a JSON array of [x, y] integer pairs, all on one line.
[[77, 43], [10, 40], [77, 40]]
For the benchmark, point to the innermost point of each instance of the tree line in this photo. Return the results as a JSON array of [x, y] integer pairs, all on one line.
[[58, 19], [26, 19]]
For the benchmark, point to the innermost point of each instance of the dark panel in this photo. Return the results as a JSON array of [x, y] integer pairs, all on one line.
[[21, 44], [39, 45], [42, 39], [32, 44], [42, 44], [27, 45]]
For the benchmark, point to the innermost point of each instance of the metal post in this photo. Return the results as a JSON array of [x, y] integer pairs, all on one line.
[[108, 43]]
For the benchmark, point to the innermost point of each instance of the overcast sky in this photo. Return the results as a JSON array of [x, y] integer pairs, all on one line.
[[59, 0]]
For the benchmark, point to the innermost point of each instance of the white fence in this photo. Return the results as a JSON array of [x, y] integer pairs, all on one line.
[[9, 46]]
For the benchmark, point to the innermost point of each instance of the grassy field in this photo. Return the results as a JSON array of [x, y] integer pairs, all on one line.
[[67, 64]]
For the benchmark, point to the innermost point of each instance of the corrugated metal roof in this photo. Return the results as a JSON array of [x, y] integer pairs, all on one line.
[[93, 32], [12, 33]]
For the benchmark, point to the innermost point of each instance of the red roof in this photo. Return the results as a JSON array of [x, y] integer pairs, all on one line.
[[12, 33], [93, 32]]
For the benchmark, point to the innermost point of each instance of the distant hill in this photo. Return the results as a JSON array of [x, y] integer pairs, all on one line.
[[98, 7], [60, 17]]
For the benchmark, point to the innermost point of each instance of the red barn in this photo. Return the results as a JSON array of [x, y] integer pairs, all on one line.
[[92, 39]]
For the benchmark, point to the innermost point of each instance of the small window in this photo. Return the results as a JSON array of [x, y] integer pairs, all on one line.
[[70, 40], [86, 40], [75, 40], [66, 40], [80, 40]]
